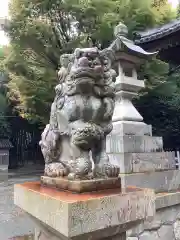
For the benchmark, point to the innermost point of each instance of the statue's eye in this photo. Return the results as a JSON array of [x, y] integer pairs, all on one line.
[[91, 64]]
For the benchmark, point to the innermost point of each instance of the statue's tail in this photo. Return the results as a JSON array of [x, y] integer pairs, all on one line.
[[50, 144]]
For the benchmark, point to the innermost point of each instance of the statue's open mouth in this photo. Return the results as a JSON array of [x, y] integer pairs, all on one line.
[[87, 73]]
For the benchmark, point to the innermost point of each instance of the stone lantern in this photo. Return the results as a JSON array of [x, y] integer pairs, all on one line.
[[131, 145], [128, 57]]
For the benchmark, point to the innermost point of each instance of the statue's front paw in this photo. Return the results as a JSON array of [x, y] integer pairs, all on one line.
[[112, 170], [106, 170], [74, 176], [55, 170]]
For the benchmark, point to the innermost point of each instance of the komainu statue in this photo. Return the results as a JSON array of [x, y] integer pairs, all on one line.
[[74, 142]]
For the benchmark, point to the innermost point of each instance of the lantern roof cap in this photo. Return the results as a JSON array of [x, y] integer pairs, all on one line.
[[123, 44]]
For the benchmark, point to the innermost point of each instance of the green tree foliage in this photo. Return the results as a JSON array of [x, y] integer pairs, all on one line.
[[41, 30], [4, 126]]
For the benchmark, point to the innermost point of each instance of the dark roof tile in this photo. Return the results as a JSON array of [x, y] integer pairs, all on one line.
[[158, 32]]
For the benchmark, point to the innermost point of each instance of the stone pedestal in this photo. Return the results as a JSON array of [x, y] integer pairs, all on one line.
[[81, 186], [97, 215], [130, 128], [130, 145], [143, 162]]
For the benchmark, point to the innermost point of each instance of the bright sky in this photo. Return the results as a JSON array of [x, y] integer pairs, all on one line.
[[4, 13], [174, 3], [4, 8]]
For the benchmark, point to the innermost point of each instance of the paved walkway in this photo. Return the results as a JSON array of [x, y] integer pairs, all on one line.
[[26, 171], [13, 221]]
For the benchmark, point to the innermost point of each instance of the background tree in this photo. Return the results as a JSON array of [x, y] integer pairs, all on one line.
[[42, 30], [4, 126]]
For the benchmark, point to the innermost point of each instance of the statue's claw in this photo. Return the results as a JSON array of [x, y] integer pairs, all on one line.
[[55, 170], [72, 176], [106, 170]]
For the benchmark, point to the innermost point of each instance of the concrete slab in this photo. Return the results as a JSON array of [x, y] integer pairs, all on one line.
[[162, 181], [133, 144], [129, 128], [166, 199], [143, 162]]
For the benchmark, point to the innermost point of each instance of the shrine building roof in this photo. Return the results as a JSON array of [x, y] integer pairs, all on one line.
[[158, 32]]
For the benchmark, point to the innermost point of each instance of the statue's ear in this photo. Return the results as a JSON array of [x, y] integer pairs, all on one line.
[[64, 60], [61, 60]]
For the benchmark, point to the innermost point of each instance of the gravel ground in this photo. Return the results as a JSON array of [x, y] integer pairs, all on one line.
[[13, 221]]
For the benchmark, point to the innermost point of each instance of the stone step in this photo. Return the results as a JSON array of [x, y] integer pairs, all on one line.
[[143, 162], [116, 143], [162, 181]]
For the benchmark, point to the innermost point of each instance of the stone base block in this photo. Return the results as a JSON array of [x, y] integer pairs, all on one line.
[[81, 186], [162, 181], [129, 128], [116, 143], [97, 215], [143, 162], [167, 200]]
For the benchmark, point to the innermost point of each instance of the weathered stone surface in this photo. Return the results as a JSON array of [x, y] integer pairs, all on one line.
[[131, 128], [177, 229], [80, 186], [152, 235], [133, 144], [167, 199], [171, 158], [75, 214], [166, 233], [123, 160], [143, 162], [162, 181]]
